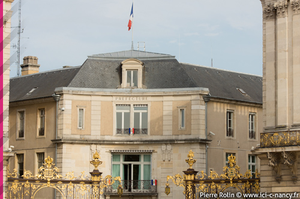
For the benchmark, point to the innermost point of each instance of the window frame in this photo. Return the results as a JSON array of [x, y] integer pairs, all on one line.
[[17, 163], [141, 162], [181, 126], [250, 164], [132, 83], [229, 130], [39, 122], [131, 65], [78, 118], [252, 130], [131, 119], [38, 161], [18, 122]]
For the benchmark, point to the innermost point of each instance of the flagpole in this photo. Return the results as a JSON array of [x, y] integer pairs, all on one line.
[[132, 32]]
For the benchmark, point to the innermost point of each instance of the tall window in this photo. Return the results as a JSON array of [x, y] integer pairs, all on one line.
[[135, 170], [80, 118], [252, 125], [181, 118], [41, 122], [132, 119], [227, 157], [132, 78], [40, 159], [21, 124], [140, 119], [20, 161], [123, 118], [252, 164], [229, 124]]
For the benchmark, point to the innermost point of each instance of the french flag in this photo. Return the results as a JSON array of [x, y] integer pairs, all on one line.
[[130, 18]]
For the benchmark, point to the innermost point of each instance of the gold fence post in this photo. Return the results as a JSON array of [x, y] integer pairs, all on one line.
[[190, 173]]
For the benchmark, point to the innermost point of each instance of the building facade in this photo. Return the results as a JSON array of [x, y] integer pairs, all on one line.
[[279, 145], [141, 111]]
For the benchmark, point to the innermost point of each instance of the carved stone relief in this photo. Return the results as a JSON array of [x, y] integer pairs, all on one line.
[[166, 152], [281, 8], [269, 11], [286, 158], [274, 161], [295, 6], [289, 159]]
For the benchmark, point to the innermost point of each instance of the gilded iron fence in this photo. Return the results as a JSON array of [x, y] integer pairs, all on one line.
[[199, 184], [133, 186], [67, 187], [279, 139]]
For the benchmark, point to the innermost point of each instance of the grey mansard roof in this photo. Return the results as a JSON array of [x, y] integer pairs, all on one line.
[[160, 71]]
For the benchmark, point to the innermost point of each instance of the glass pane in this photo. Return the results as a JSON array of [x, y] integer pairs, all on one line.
[[132, 158], [147, 158], [140, 108], [182, 117], [253, 168], [144, 120], [129, 77], [253, 159], [147, 170], [115, 170], [80, 118], [126, 120], [116, 158], [249, 158], [136, 121], [135, 78], [119, 120], [123, 108]]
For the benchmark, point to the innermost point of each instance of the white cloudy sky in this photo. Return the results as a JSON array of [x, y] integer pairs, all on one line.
[[65, 32]]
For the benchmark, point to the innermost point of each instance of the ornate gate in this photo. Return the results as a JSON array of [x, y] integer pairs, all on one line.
[[82, 187], [231, 184]]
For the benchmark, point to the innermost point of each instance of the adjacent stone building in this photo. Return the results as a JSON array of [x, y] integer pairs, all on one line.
[[279, 142], [142, 111]]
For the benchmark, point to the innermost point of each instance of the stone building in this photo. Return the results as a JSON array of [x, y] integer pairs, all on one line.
[[142, 111], [279, 142]]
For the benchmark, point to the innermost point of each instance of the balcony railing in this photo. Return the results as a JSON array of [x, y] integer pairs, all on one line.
[[279, 139], [143, 131], [133, 186]]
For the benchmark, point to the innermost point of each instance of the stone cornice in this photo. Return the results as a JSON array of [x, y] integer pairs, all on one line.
[[269, 11], [281, 8], [278, 9], [295, 6], [9, 1], [30, 102], [128, 141]]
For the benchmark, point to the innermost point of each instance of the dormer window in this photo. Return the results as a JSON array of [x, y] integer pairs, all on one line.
[[132, 78], [132, 70]]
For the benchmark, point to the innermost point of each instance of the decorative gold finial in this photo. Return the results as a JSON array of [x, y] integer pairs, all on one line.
[[49, 162], [191, 160], [96, 162], [231, 161]]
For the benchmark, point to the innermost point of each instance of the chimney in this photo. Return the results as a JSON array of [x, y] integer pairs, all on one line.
[[30, 65]]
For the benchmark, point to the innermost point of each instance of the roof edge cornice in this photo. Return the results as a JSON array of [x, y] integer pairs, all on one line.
[[163, 91]]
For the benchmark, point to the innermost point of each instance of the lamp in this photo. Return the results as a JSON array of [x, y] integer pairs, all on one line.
[[167, 189], [120, 190]]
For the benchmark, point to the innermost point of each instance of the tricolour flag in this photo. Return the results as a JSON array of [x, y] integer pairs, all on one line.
[[130, 18]]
